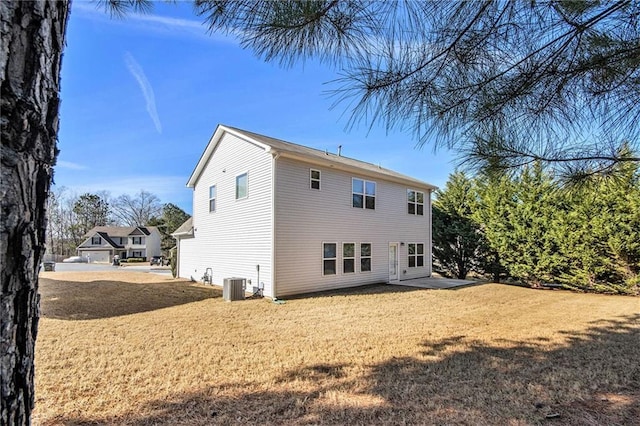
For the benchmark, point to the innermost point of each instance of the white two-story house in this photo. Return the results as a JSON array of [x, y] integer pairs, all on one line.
[[292, 219], [104, 242]]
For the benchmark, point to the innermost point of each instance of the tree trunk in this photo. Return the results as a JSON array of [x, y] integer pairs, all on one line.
[[31, 51]]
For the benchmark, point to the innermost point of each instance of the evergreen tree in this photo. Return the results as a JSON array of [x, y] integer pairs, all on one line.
[[457, 239], [171, 219], [495, 204], [599, 237], [90, 210], [518, 217]]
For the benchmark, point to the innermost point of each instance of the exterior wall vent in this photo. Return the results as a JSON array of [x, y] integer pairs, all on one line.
[[233, 289]]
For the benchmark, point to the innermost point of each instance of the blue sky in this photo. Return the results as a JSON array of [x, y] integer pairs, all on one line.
[[141, 96]]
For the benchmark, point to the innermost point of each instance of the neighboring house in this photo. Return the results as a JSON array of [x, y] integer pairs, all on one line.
[[297, 220], [103, 242]]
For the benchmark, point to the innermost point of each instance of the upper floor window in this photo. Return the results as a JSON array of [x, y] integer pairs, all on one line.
[[415, 202], [137, 240], [212, 198], [329, 257], [96, 241], [241, 186], [363, 194], [416, 255], [314, 179]]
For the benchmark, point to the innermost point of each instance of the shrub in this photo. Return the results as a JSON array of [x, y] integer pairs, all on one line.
[[173, 261]]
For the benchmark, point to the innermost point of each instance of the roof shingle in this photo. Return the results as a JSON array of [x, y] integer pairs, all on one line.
[[304, 153]]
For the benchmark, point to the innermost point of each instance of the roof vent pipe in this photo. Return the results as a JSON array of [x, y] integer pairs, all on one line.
[[339, 150]]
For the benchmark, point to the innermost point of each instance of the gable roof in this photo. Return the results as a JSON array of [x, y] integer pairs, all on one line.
[[140, 230], [303, 153], [104, 236], [120, 231], [184, 230], [109, 240]]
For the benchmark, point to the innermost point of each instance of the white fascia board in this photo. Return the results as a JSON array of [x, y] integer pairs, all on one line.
[[211, 146], [87, 239], [182, 234]]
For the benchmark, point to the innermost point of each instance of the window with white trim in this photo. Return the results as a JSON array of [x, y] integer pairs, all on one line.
[[348, 258], [213, 195], [363, 194], [415, 202], [241, 186], [416, 255], [137, 240], [136, 254], [96, 241], [365, 257], [329, 258], [314, 179]]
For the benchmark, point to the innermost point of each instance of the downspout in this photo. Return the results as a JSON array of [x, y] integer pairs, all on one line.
[[430, 236], [274, 160], [177, 257]]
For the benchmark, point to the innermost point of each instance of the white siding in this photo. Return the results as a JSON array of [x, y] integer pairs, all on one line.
[[237, 236], [152, 245], [305, 218]]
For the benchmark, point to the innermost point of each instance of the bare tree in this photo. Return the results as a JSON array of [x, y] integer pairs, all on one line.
[[59, 213], [136, 210]]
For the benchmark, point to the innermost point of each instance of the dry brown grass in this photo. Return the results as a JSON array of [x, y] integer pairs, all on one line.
[[151, 350]]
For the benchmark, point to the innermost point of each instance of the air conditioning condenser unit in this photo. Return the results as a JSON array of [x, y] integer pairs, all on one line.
[[233, 289]]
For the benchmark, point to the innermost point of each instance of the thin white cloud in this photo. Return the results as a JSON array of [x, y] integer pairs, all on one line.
[[169, 23], [70, 165], [165, 187], [162, 25], [147, 91]]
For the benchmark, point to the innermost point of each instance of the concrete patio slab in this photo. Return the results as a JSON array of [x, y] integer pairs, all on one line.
[[435, 283]]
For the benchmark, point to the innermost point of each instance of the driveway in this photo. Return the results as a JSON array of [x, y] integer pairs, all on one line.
[[100, 267]]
